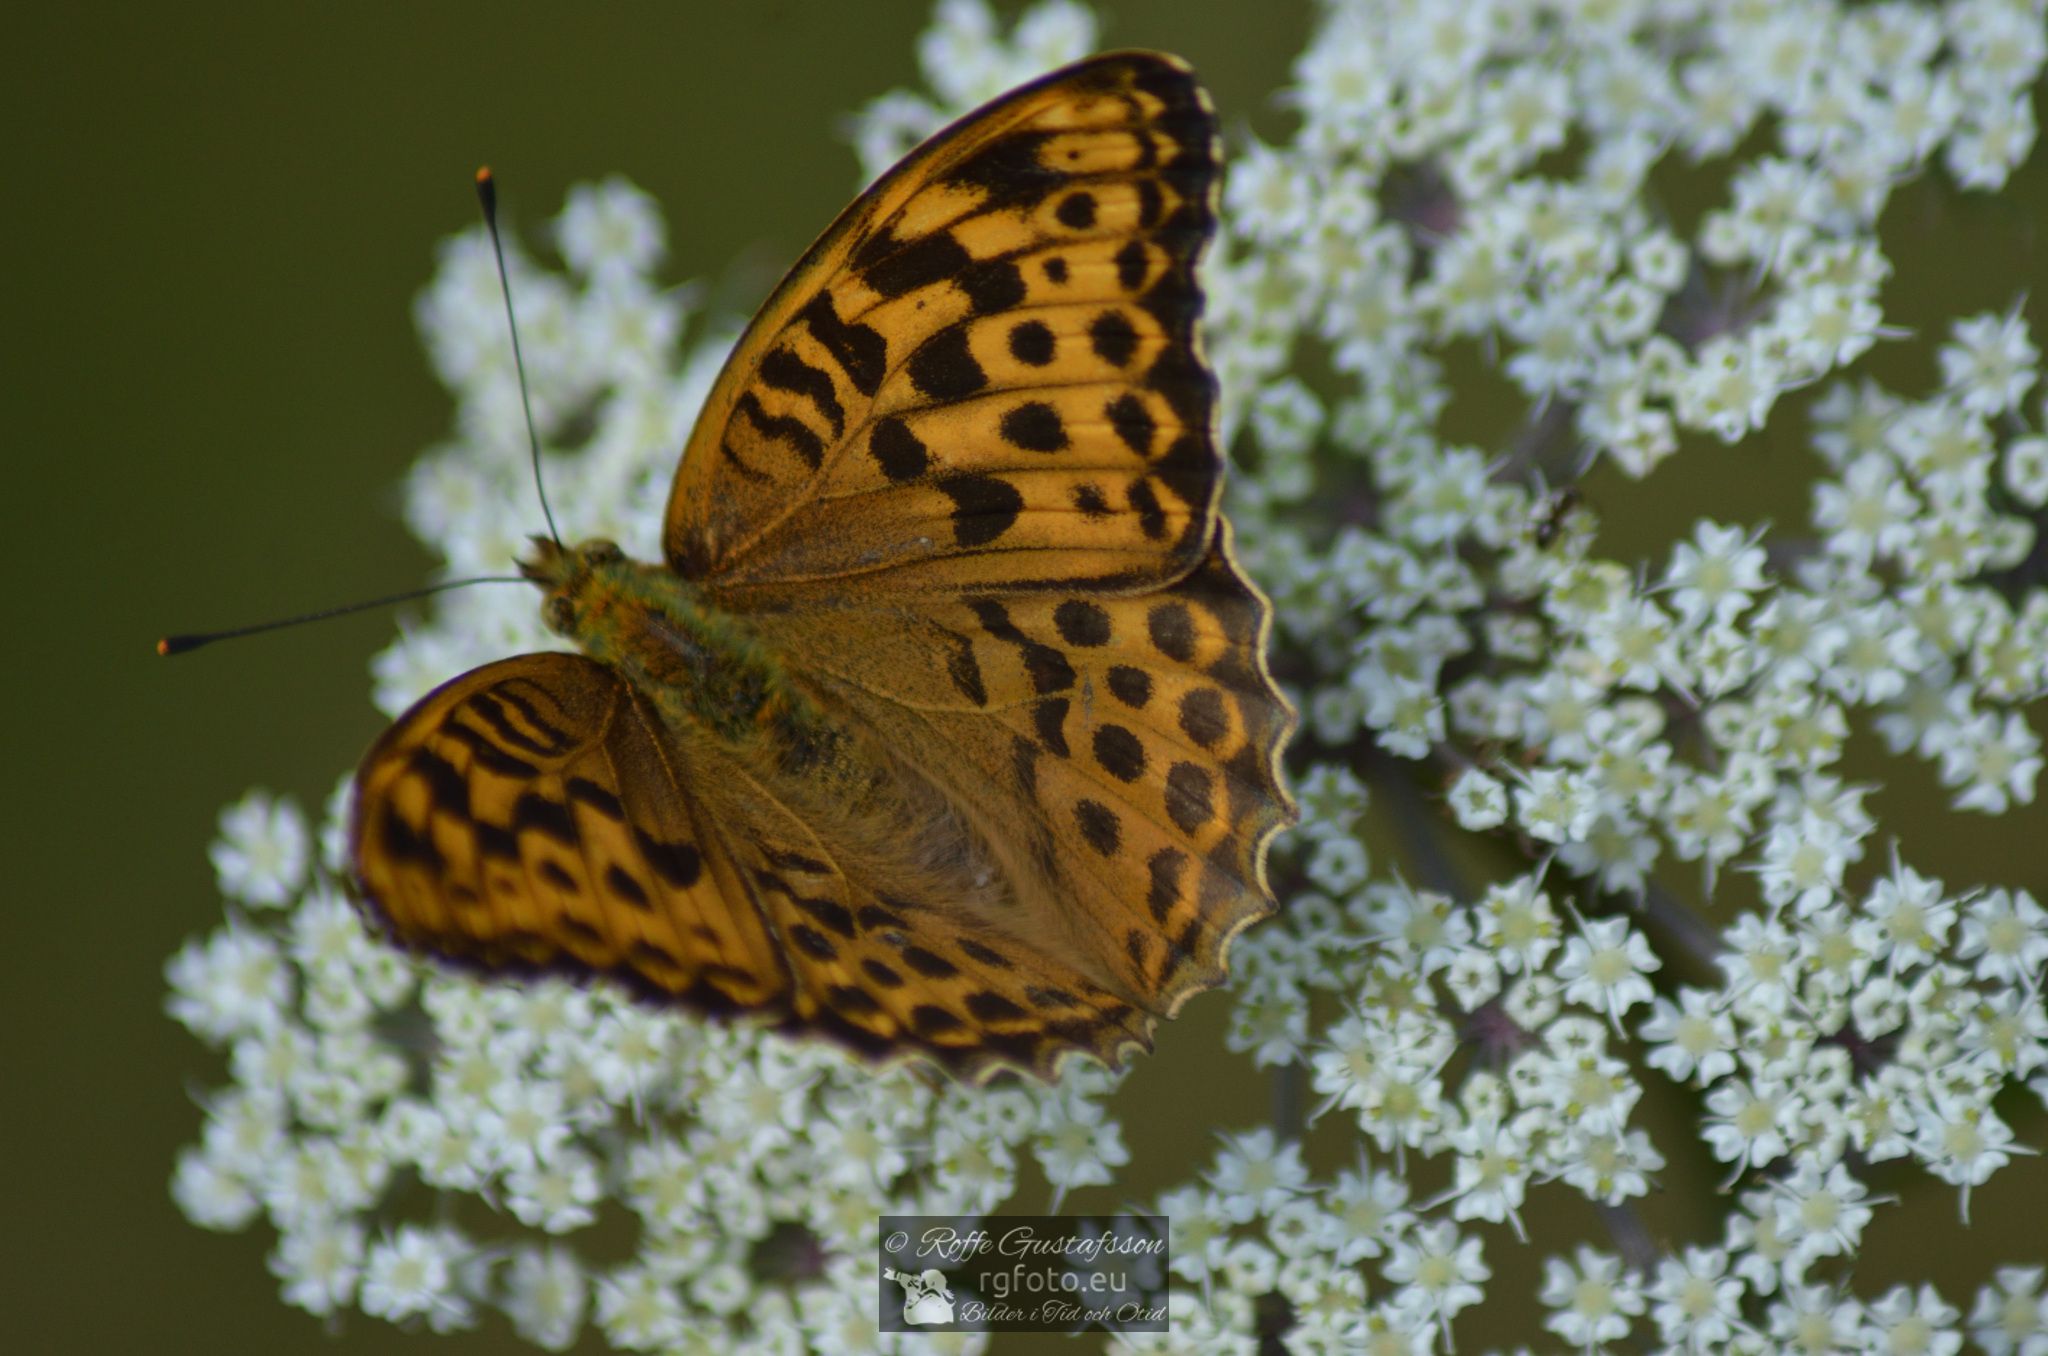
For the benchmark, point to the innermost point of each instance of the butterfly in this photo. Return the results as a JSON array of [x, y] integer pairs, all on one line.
[[943, 727]]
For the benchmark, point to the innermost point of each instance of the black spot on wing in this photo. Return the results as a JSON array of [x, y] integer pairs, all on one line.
[[1049, 718], [545, 741], [446, 787], [1190, 796], [1173, 630], [1098, 825], [622, 883], [995, 619], [1119, 753], [993, 1007], [782, 428], [812, 942], [942, 368], [860, 350], [984, 507], [1113, 338], [1133, 423], [1048, 669], [931, 1020], [1165, 867], [536, 813], [1035, 427], [1133, 262], [985, 954], [495, 840], [928, 964], [964, 669], [1144, 503], [897, 450], [405, 844], [1081, 622], [1031, 343], [678, 864], [1178, 375], [853, 1001], [991, 285], [785, 371], [584, 791], [1133, 687], [1202, 716], [1150, 203], [829, 912], [487, 753], [1011, 172], [926, 260]]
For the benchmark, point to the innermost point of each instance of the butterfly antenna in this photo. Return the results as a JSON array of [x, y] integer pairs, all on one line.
[[487, 195], [171, 645]]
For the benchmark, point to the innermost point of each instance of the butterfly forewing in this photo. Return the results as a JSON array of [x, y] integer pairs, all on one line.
[[985, 374]]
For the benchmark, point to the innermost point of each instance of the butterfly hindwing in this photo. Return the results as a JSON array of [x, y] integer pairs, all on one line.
[[537, 815], [1120, 753], [531, 814], [985, 374]]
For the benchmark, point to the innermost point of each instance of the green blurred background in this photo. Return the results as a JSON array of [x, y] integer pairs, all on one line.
[[221, 216]]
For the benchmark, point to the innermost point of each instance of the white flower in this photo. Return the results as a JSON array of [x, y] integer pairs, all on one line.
[[2012, 1318], [545, 1293], [1751, 1123], [2006, 933], [1714, 574], [639, 1310], [412, 1273], [1480, 802], [1254, 1176], [319, 1264], [1077, 1145], [1694, 1041], [1437, 1269], [1604, 967], [1995, 763], [611, 228], [261, 854], [1821, 1212], [1814, 1318], [1991, 363], [236, 981], [1591, 1302]]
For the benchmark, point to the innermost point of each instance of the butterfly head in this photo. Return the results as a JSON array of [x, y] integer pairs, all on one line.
[[573, 578]]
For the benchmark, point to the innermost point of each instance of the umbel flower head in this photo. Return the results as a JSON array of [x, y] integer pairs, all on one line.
[[1634, 864]]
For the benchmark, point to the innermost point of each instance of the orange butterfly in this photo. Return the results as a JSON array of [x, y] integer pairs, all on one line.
[[944, 727]]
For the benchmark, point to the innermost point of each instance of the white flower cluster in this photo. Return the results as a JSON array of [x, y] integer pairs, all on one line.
[[1483, 186], [1472, 195]]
